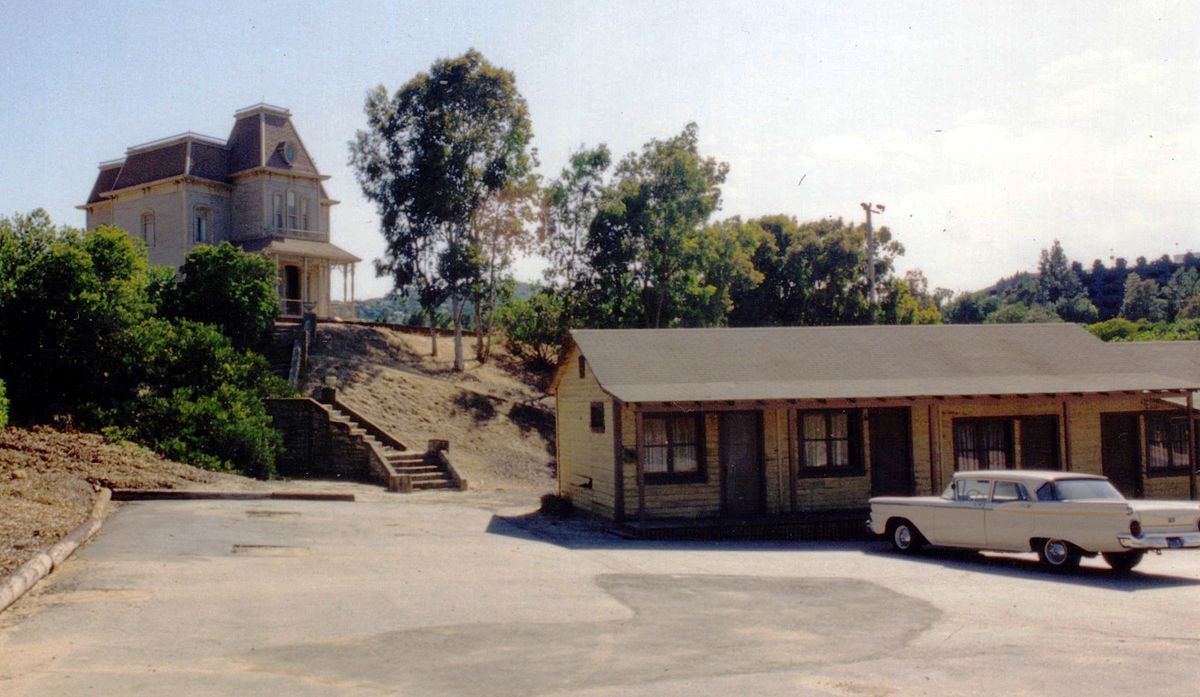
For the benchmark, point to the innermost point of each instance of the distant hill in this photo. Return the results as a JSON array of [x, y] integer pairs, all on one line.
[[400, 308], [1105, 285]]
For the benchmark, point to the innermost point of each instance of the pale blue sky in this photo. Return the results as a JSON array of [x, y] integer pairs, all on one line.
[[988, 129]]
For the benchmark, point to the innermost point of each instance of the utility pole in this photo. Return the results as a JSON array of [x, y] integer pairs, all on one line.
[[872, 296]]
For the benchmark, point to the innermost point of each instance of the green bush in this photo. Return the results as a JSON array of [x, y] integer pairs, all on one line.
[[534, 329], [79, 312], [1115, 329], [202, 400], [229, 289], [3, 407]]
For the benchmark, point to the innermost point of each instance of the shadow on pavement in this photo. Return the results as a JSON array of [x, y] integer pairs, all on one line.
[[1027, 567], [577, 532], [581, 533]]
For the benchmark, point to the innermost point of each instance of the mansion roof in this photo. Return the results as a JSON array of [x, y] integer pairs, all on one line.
[[262, 137]]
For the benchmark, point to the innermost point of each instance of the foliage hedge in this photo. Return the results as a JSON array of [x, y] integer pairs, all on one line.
[[3, 406], [91, 334]]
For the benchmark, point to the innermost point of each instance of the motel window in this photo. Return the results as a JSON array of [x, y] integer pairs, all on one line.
[[148, 228], [1166, 443], [277, 202], [830, 442], [304, 214], [1039, 442], [983, 444], [672, 446], [597, 417], [291, 211], [203, 224]]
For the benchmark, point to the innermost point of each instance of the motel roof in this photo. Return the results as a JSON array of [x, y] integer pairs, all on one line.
[[795, 363]]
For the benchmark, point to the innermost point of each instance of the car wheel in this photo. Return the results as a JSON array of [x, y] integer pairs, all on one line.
[[1058, 555], [1123, 561], [904, 537]]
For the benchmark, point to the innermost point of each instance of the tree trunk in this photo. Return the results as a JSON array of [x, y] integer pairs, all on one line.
[[432, 333], [479, 354], [456, 311]]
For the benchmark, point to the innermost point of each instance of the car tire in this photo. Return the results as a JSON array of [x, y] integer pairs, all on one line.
[[1123, 562], [1058, 555], [904, 536]]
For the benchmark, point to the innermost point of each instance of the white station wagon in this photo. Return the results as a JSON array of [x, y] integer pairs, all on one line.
[[1062, 516]]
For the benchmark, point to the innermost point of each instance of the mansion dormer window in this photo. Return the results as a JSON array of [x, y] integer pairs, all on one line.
[[288, 151], [203, 224]]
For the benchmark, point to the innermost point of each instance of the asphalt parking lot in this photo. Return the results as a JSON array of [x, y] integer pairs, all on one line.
[[384, 598]]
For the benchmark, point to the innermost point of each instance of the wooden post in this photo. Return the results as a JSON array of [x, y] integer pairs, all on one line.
[[935, 446], [304, 287], [641, 473], [1066, 437], [1191, 421], [618, 464], [793, 435]]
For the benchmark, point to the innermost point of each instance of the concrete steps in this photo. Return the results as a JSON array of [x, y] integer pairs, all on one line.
[[407, 469]]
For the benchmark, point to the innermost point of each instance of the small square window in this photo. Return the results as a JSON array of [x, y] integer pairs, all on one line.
[[598, 417]]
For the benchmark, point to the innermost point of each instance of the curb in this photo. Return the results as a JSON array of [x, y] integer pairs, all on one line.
[[184, 495], [28, 574]]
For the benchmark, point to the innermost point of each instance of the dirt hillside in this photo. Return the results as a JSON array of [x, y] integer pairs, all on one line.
[[499, 424]]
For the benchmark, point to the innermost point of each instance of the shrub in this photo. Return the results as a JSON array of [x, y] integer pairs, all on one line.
[[3, 407], [1115, 329], [230, 289], [202, 401], [81, 343], [534, 328]]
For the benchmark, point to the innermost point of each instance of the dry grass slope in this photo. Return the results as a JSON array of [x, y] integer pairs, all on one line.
[[499, 424]]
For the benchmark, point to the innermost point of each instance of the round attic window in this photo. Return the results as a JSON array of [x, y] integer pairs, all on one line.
[[289, 153]]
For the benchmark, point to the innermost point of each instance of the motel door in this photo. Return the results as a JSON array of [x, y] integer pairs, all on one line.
[[891, 451], [741, 462], [1121, 452]]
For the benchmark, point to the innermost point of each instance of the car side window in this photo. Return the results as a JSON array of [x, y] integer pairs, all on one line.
[[1006, 492], [1046, 492], [974, 490]]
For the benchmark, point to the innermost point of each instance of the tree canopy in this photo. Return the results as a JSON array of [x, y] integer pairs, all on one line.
[[431, 154]]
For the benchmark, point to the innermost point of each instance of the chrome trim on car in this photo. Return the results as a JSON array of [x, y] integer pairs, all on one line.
[[1158, 540]]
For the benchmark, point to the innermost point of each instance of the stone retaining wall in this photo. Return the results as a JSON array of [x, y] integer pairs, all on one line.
[[317, 447]]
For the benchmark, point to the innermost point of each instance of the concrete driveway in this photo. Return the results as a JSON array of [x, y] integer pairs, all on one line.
[[400, 598]]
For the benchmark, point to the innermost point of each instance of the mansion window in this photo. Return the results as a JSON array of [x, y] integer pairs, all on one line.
[[277, 208], [830, 442], [1166, 443], [304, 214], [292, 222], [203, 225], [148, 228], [672, 446]]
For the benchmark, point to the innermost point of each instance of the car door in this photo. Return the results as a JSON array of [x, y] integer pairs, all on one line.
[[960, 521], [1008, 517]]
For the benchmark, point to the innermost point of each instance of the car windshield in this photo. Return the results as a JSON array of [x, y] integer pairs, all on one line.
[[1078, 489]]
